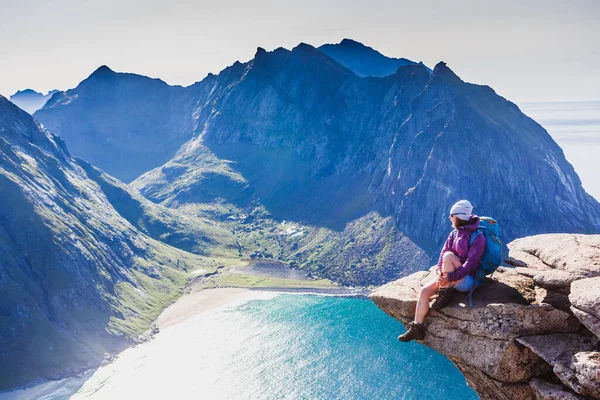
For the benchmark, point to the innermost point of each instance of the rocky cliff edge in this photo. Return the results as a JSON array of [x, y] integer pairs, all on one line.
[[533, 331]]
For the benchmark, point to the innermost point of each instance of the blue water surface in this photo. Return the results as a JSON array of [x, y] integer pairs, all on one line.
[[287, 346], [323, 347]]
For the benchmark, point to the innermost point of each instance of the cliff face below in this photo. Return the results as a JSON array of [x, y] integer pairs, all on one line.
[[533, 331]]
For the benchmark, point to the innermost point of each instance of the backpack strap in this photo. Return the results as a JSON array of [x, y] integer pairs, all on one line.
[[477, 232], [470, 295], [478, 281], [480, 276]]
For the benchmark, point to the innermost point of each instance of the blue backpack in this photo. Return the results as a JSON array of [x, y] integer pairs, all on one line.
[[492, 257]]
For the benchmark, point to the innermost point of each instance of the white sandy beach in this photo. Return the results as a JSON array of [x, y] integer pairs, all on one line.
[[191, 304], [187, 307]]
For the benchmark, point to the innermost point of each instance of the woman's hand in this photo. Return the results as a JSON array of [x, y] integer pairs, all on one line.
[[443, 279]]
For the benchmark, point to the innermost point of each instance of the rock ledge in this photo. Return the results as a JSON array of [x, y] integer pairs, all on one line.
[[533, 331]]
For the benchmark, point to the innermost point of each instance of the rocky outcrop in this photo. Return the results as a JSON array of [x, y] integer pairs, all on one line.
[[532, 332], [585, 303]]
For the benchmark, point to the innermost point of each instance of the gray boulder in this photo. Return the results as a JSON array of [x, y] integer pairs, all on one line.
[[549, 391], [558, 259], [573, 359], [585, 300]]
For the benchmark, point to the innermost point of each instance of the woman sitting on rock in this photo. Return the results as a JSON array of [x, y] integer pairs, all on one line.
[[457, 268]]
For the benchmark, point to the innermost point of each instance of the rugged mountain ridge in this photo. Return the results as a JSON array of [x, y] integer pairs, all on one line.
[[532, 332], [30, 100], [464, 141], [411, 141], [291, 131], [363, 60], [124, 124], [299, 134], [77, 280]]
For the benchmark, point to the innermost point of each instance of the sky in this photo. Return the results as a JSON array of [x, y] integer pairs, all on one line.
[[534, 50]]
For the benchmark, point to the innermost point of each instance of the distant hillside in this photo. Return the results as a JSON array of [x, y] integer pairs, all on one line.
[[77, 279], [363, 60], [124, 124], [30, 100]]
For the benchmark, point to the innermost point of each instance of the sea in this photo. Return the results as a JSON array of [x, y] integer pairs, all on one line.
[[274, 346], [575, 126]]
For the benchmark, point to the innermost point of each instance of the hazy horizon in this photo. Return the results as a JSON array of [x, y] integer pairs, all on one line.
[[538, 51]]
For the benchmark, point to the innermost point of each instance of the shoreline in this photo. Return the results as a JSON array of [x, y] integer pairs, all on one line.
[[350, 292], [205, 299], [195, 301]]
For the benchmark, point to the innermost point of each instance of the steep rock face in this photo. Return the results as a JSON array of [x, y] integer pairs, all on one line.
[[315, 143], [77, 280], [513, 343], [295, 130], [461, 138]]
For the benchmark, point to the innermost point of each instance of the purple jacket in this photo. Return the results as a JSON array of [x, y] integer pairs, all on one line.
[[459, 245]]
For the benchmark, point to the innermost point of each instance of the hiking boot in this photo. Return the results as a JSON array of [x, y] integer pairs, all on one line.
[[444, 296], [414, 332]]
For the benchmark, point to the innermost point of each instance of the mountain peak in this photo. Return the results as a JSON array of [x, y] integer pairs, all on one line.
[[103, 71], [303, 47], [30, 100], [441, 70], [351, 43], [363, 60], [26, 92]]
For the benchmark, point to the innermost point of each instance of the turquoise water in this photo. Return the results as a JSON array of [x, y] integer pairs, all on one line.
[[285, 346], [315, 347]]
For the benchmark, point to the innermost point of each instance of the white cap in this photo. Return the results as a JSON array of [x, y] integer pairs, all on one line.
[[462, 209]]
